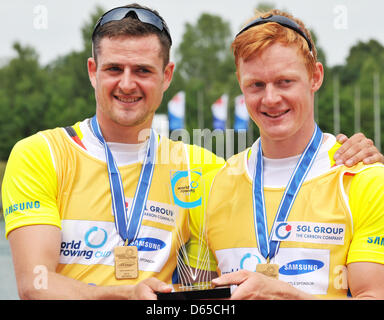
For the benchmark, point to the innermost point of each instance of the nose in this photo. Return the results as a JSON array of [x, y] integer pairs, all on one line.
[[127, 81], [271, 95]]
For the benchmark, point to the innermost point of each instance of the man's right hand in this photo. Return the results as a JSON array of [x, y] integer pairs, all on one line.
[[39, 246], [146, 289]]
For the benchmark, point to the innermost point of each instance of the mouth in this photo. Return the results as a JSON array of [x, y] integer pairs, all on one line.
[[275, 115], [127, 100]]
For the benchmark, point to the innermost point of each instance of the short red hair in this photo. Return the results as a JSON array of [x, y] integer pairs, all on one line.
[[258, 38]]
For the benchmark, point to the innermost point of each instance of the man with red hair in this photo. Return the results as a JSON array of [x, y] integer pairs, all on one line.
[[301, 227]]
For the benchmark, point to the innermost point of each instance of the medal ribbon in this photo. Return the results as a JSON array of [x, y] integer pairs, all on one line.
[[128, 226], [266, 246]]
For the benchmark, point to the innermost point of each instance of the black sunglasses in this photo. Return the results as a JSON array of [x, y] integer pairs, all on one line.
[[281, 20], [144, 15]]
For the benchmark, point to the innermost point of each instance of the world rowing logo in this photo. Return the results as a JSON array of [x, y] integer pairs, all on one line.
[[98, 238], [249, 262]]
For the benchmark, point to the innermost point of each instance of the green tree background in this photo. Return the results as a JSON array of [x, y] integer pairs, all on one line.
[[35, 97]]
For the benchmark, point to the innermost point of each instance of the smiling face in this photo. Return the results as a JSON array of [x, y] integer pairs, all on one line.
[[129, 81], [279, 94]]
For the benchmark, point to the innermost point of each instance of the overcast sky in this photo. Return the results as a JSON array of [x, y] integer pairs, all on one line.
[[52, 27]]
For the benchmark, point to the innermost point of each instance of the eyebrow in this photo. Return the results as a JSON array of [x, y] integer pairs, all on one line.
[[115, 64], [110, 64]]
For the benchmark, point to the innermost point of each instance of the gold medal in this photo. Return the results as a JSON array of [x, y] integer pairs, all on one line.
[[126, 262], [268, 269]]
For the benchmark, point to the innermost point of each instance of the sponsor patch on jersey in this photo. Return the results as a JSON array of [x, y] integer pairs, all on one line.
[[154, 247], [235, 259], [92, 242], [305, 269], [158, 212], [313, 232], [88, 242]]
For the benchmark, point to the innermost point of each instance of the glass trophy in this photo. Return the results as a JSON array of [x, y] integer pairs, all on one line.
[[193, 279]]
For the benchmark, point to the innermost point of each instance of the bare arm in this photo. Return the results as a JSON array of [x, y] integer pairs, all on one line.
[[35, 251], [366, 279]]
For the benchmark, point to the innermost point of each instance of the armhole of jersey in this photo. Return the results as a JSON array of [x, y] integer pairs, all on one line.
[[346, 196], [247, 156], [50, 150], [187, 156], [331, 153], [344, 192], [214, 178], [76, 127], [249, 153], [74, 136]]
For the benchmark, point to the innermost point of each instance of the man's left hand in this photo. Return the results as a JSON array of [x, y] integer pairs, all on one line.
[[355, 149]]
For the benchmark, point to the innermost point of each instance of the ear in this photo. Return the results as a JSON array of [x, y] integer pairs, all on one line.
[[318, 77], [168, 74], [92, 68], [239, 67], [238, 75]]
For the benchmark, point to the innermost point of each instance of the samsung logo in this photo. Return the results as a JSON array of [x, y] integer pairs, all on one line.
[[301, 267], [376, 240], [148, 244], [22, 206]]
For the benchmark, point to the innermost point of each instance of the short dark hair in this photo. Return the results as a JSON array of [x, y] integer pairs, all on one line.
[[131, 26]]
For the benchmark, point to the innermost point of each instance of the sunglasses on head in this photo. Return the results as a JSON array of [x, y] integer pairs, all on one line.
[[144, 15], [281, 20]]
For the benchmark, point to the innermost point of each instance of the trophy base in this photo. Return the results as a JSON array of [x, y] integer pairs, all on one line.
[[196, 294]]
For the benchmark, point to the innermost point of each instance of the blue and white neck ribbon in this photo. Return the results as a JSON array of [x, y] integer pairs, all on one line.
[[268, 247], [128, 225]]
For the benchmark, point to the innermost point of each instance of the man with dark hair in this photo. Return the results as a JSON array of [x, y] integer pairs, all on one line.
[[85, 205], [136, 27]]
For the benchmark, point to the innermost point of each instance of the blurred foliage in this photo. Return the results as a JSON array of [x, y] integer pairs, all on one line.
[[2, 170], [35, 97], [205, 68]]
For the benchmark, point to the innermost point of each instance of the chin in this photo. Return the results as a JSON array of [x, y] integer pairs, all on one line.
[[278, 134], [134, 122], [277, 130]]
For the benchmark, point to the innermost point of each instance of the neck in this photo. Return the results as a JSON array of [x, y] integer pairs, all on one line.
[[287, 147], [113, 132]]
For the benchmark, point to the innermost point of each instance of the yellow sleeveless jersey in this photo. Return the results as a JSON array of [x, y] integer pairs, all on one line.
[[51, 179], [336, 219]]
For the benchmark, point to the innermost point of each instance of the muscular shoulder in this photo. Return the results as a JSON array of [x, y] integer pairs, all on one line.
[[366, 197], [368, 177], [30, 184], [367, 188], [366, 200], [30, 151]]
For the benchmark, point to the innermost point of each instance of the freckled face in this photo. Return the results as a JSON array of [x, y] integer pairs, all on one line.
[[279, 94]]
